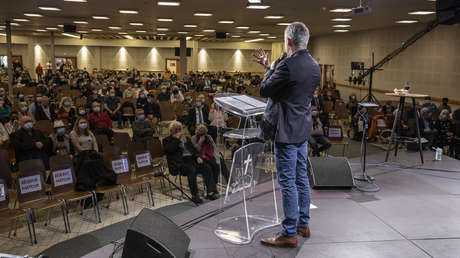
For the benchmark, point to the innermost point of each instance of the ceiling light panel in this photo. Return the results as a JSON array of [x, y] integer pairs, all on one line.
[[49, 8], [168, 3]]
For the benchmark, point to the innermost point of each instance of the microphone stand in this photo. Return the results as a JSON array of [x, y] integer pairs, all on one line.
[[161, 174]]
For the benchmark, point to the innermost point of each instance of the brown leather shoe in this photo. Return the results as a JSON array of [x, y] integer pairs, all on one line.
[[280, 241], [304, 231]]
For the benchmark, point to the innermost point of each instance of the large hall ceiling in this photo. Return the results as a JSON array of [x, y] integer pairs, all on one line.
[[314, 13]]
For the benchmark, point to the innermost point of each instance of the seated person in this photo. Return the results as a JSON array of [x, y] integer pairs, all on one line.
[[129, 92], [176, 95], [317, 136], [141, 101], [5, 110], [185, 160], [163, 95], [112, 106], [142, 128], [207, 148], [99, 121], [60, 140], [445, 105], [443, 130], [82, 138], [152, 109], [430, 105], [66, 111], [44, 110], [198, 114], [29, 143]]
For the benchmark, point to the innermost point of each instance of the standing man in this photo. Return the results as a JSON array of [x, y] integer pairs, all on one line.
[[39, 72], [289, 84]]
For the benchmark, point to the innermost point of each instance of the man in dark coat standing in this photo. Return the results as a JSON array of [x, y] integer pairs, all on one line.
[[289, 84]]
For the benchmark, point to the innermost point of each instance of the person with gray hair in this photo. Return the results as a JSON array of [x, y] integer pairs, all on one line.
[[289, 85]]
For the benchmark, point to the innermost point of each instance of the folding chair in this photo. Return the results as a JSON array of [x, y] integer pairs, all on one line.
[[102, 141], [122, 140], [32, 196], [167, 114], [5, 170], [7, 215], [63, 184]]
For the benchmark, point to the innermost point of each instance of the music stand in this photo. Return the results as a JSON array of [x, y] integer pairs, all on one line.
[[364, 177]]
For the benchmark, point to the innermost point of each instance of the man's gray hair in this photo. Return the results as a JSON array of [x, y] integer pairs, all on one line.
[[298, 33]]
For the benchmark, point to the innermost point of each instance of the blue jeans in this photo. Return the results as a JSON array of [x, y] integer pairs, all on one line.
[[291, 164]]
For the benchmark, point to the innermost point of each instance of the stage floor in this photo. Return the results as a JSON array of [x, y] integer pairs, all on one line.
[[415, 214]]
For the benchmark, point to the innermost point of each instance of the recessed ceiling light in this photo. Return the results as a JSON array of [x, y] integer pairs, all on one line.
[[97, 17], [123, 33], [15, 24], [164, 19], [243, 27], [190, 26], [49, 8], [341, 19], [21, 20], [188, 38], [198, 35], [40, 30], [114, 27], [82, 31], [421, 12], [254, 31], [227, 22], [236, 36], [51, 28], [161, 34], [209, 30], [96, 29], [33, 15], [283, 24], [128, 11], [77, 1], [340, 10], [128, 37], [274, 17], [203, 14], [341, 30], [3, 34], [136, 24], [253, 40], [80, 22], [182, 32], [254, 1], [141, 31], [257, 5], [168, 3], [264, 34], [61, 25], [71, 35], [271, 37], [341, 26], [406, 21], [162, 29]]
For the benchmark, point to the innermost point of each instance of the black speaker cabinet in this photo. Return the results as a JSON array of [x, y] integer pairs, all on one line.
[[329, 172], [153, 235]]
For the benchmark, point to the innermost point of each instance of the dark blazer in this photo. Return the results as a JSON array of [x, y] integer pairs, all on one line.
[[290, 88], [24, 145], [173, 153], [40, 113], [191, 118]]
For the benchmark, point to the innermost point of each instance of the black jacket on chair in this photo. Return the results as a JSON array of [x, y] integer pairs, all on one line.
[[290, 88], [173, 153]]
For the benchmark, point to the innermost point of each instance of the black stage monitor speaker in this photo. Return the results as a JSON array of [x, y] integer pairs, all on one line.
[[70, 28], [221, 35], [153, 235], [177, 51], [448, 11], [329, 172]]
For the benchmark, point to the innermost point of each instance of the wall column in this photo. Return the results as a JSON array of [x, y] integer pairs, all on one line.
[[9, 56], [183, 58], [52, 54]]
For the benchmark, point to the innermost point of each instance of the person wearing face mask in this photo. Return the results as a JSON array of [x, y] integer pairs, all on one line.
[[445, 105], [66, 111], [82, 138], [198, 115], [318, 141], [112, 105], [60, 139], [5, 110], [176, 95], [152, 109], [29, 143], [142, 128], [141, 101], [163, 95], [443, 130], [129, 93], [99, 121], [45, 110], [430, 105], [33, 105]]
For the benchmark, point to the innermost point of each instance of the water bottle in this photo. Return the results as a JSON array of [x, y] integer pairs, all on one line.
[[438, 154]]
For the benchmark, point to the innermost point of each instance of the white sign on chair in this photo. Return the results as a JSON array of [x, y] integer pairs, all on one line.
[[120, 166], [143, 160], [2, 193], [62, 177], [30, 184]]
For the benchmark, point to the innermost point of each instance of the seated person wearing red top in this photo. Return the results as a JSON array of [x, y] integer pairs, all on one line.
[[100, 122]]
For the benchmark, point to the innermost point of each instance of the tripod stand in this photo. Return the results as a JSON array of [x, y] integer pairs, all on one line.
[[364, 177], [370, 96]]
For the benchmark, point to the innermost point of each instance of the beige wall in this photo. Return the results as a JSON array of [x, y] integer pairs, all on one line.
[[432, 63]]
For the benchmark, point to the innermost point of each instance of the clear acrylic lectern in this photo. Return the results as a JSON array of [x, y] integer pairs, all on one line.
[[249, 164]]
